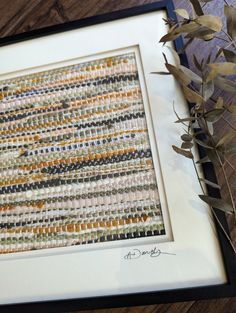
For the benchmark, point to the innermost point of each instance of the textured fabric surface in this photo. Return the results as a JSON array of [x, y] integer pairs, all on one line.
[[76, 164]]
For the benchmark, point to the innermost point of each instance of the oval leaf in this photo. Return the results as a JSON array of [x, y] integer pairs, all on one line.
[[187, 154], [225, 84], [226, 138], [194, 77], [187, 145], [191, 95], [186, 137], [225, 68], [230, 13], [203, 144], [217, 203], [229, 55], [197, 7], [183, 13], [178, 74], [219, 103], [208, 182], [211, 22], [214, 115]]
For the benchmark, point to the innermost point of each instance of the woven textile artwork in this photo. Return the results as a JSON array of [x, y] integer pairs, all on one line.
[[76, 164]]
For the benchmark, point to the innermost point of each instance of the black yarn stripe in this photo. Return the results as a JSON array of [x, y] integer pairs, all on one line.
[[107, 80], [87, 195], [63, 168], [58, 182], [90, 124]]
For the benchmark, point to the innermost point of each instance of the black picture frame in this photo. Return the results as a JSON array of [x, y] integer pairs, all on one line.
[[146, 298]]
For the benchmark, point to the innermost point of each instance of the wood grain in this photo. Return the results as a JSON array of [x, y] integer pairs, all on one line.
[[18, 16]]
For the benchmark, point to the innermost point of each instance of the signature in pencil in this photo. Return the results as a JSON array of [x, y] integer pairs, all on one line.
[[152, 253]]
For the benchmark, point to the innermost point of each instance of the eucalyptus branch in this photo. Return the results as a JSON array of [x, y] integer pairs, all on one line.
[[227, 182], [213, 211]]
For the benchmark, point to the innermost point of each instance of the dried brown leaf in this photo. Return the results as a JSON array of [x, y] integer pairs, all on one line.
[[230, 13], [192, 96], [183, 13], [187, 154], [226, 138], [208, 90], [225, 84], [211, 22], [186, 137], [219, 103], [232, 109], [214, 115], [186, 145], [178, 74], [197, 7], [194, 77], [196, 63], [208, 182], [203, 144], [218, 204], [225, 68], [229, 55]]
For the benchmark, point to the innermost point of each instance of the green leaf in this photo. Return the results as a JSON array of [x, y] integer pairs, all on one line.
[[183, 13], [178, 74], [217, 203], [230, 56], [187, 154], [226, 138], [203, 144], [208, 182], [197, 7], [224, 68], [214, 115], [186, 137], [225, 84], [211, 22], [230, 13]]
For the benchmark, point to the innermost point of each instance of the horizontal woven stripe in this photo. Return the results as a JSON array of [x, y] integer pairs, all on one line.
[[75, 158]]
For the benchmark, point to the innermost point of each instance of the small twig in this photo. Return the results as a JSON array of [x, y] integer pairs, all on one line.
[[224, 231], [226, 2], [230, 38], [213, 212], [230, 164], [227, 182], [223, 39]]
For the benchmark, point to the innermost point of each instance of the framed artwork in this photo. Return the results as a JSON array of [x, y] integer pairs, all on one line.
[[96, 210]]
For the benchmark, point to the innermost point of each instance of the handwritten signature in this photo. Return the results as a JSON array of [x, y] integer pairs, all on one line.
[[153, 253]]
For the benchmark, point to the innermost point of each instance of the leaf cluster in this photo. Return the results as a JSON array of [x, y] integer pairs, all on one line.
[[217, 71]]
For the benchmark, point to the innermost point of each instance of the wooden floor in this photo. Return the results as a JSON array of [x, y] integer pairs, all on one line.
[[18, 16]]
